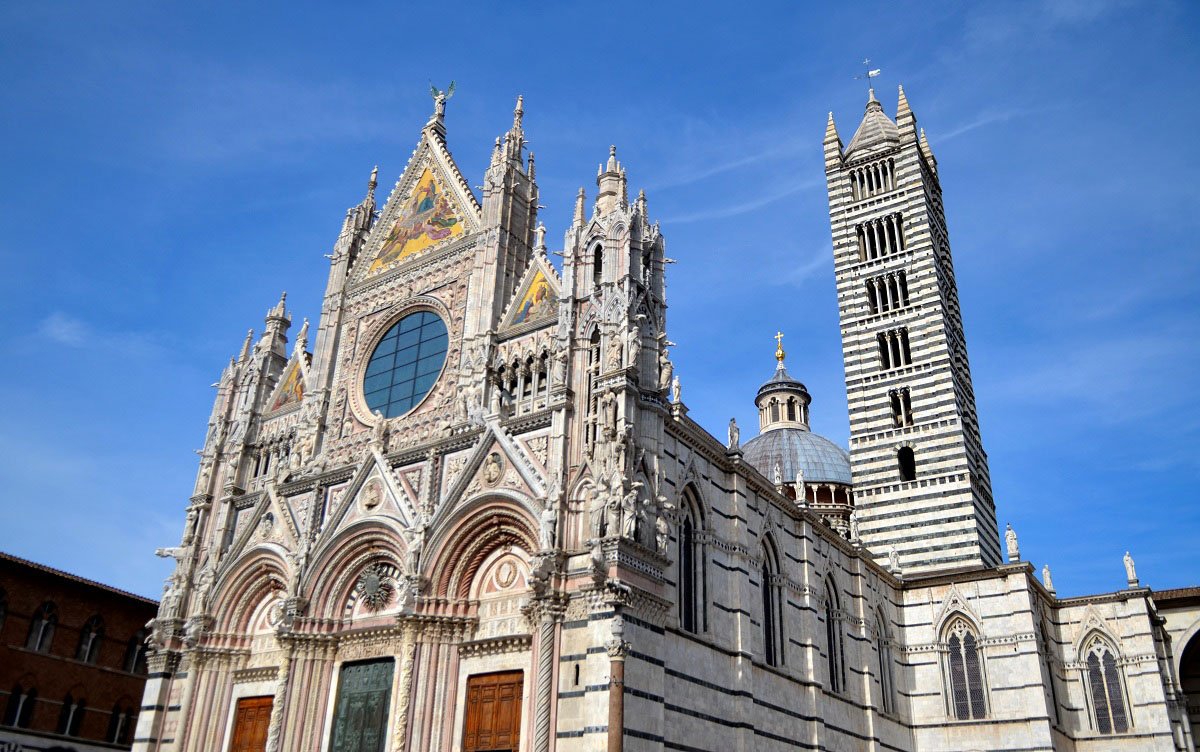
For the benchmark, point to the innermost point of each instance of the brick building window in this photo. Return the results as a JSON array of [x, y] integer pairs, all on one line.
[[20, 707], [135, 653], [71, 716], [41, 628], [89, 640]]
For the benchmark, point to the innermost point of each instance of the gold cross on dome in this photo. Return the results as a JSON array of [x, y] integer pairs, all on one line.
[[779, 354]]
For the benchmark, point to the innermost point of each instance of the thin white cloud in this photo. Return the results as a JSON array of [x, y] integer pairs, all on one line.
[[64, 329], [722, 212]]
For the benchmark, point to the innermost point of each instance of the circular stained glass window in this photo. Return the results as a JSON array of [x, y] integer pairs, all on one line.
[[405, 364]]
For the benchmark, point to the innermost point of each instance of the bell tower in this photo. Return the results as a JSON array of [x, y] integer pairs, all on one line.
[[921, 483]]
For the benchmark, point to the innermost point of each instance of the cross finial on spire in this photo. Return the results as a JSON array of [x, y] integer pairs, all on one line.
[[779, 353]]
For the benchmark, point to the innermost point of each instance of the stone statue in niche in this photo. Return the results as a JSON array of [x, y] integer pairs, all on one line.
[[676, 390], [666, 370], [735, 434], [549, 521]]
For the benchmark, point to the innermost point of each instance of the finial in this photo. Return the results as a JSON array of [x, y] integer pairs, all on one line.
[[580, 201], [373, 182], [902, 103], [641, 204], [280, 309], [530, 170], [612, 159], [246, 346], [302, 338], [518, 112], [779, 353]]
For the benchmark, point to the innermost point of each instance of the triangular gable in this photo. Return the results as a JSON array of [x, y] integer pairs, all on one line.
[[374, 477], [510, 469], [430, 208], [279, 528], [290, 389], [537, 296]]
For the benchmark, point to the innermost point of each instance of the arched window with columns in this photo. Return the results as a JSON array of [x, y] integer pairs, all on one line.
[[963, 670], [89, 640], [1106, 694], [41, 628]]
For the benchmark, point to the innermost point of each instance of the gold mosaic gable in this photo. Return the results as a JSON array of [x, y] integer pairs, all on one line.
[[429, 217]]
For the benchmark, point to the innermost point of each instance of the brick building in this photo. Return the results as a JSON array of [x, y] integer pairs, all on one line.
[[72, 660]]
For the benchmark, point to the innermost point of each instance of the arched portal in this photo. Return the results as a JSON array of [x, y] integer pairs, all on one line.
[[1189, 679]]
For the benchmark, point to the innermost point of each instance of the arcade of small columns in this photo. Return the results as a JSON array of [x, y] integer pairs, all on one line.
[[880, 237], [869, 180]]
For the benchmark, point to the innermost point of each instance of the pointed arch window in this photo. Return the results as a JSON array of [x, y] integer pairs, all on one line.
[[835, 654], [41, 628], [135, 653], [1105, 694], [771, 621], [89, 640], [887, 687], [964, 670], [691, 563], [121, 724], [906, 463], [71, 716], [20, 707], [1051, 677], [597, 265]]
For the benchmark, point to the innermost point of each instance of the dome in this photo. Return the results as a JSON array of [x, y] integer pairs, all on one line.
[[821, 460]]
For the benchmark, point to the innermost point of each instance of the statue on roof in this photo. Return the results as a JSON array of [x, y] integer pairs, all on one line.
[[439, 98]]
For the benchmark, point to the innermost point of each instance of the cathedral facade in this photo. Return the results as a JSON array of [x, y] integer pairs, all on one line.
[[475, 514]]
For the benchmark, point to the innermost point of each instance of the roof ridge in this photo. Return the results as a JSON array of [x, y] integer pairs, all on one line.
[[74, 577]]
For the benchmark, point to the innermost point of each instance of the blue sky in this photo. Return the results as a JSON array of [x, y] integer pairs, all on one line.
[[167, 171]]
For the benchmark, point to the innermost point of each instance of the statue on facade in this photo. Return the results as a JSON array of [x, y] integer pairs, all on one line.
[[1130, 572], [1010, 541], [801, 488], [559, 375], [855, 533], [777, 473], [735, 434], [666, 370], [1046, 578], [629, 513], [613, 359], [379, 430], [634, 345], [676, 390], [439, 99], [549, 521], [894, 561]]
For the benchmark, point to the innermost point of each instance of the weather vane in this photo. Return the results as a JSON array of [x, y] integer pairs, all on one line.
[[868, 74]]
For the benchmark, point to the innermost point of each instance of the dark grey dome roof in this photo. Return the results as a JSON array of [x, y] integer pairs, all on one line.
[[781, 381], [796, 449]]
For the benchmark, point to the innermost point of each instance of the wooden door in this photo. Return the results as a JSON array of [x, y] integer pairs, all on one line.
[[361, 713], [493, 722], [250, 724]]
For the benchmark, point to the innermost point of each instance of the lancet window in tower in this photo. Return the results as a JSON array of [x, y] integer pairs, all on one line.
[[1104, 688], [887, 292], [906, 463], [894, 350], [880, 237], [965, 671], [591, 424], [70, 716], [901, 402], [597, 265], [872, 179]]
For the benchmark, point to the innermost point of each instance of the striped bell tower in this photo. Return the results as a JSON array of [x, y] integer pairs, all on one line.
[[921, 483]]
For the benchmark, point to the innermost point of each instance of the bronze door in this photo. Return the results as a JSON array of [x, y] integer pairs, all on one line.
[[493, 722], [250, 724], [361, 713]]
